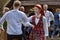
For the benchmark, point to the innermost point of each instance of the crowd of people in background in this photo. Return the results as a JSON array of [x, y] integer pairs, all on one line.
[[34, 25]]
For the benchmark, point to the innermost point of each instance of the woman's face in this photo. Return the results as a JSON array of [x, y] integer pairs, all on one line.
[[36, 10]]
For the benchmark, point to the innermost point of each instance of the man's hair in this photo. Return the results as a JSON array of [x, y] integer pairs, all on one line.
[[16, 3], [45, 4]]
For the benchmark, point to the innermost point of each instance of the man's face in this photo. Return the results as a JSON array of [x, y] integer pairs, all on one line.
[[45, 7], [22, 9]]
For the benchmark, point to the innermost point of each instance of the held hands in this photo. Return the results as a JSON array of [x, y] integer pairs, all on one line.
[[32, 26]]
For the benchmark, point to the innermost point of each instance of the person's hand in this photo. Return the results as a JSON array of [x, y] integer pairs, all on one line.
[[32, 26], [59, 18], [49, 28], [2, 29]]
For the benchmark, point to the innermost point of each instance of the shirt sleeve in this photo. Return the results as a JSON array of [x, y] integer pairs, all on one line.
[[25, 21], [59, 16], [51, 16], [45, 26], [30, 19], [2, 20]]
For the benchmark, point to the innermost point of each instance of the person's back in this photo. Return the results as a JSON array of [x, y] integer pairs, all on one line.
[[56, 18], [13, 22]]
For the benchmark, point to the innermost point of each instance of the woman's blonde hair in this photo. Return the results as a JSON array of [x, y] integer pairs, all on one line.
[[58, 9]]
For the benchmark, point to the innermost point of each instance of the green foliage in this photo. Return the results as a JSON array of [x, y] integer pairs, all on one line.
[[5, 25]]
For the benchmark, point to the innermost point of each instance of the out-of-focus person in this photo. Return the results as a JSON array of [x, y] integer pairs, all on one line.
[[31, 12], [15, 19], [56, 22], [22, 9], [49, 16], [5, 9]]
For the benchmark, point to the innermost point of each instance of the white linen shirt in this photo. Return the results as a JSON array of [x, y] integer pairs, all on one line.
[[15, 19], [49, 16]]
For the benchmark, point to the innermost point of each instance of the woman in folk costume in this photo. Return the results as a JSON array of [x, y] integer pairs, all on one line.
[[40, 31]]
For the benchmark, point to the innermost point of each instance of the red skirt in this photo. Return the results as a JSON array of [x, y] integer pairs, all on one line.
[[37, 34]]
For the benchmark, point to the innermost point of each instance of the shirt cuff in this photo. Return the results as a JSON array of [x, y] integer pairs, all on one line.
[[46, 35]]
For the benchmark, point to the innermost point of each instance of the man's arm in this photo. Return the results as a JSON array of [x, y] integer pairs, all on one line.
[[30, 19], [25, 20], [2, 21]]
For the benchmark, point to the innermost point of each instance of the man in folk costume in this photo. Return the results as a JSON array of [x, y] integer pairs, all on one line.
[[49, 17], [5, 9], [15, 19], [40, 31]]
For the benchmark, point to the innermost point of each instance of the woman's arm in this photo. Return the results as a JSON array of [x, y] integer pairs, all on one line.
[[45, 25]]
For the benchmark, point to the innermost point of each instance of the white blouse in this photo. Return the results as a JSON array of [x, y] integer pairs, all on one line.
[[44, 23], [36, 20], [59, 16]]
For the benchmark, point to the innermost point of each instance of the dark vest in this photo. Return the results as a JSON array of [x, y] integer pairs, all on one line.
[[39, 25]]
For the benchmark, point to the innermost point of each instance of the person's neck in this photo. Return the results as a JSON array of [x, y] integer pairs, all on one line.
[[16, 8], [37, 14], [45, 10]]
